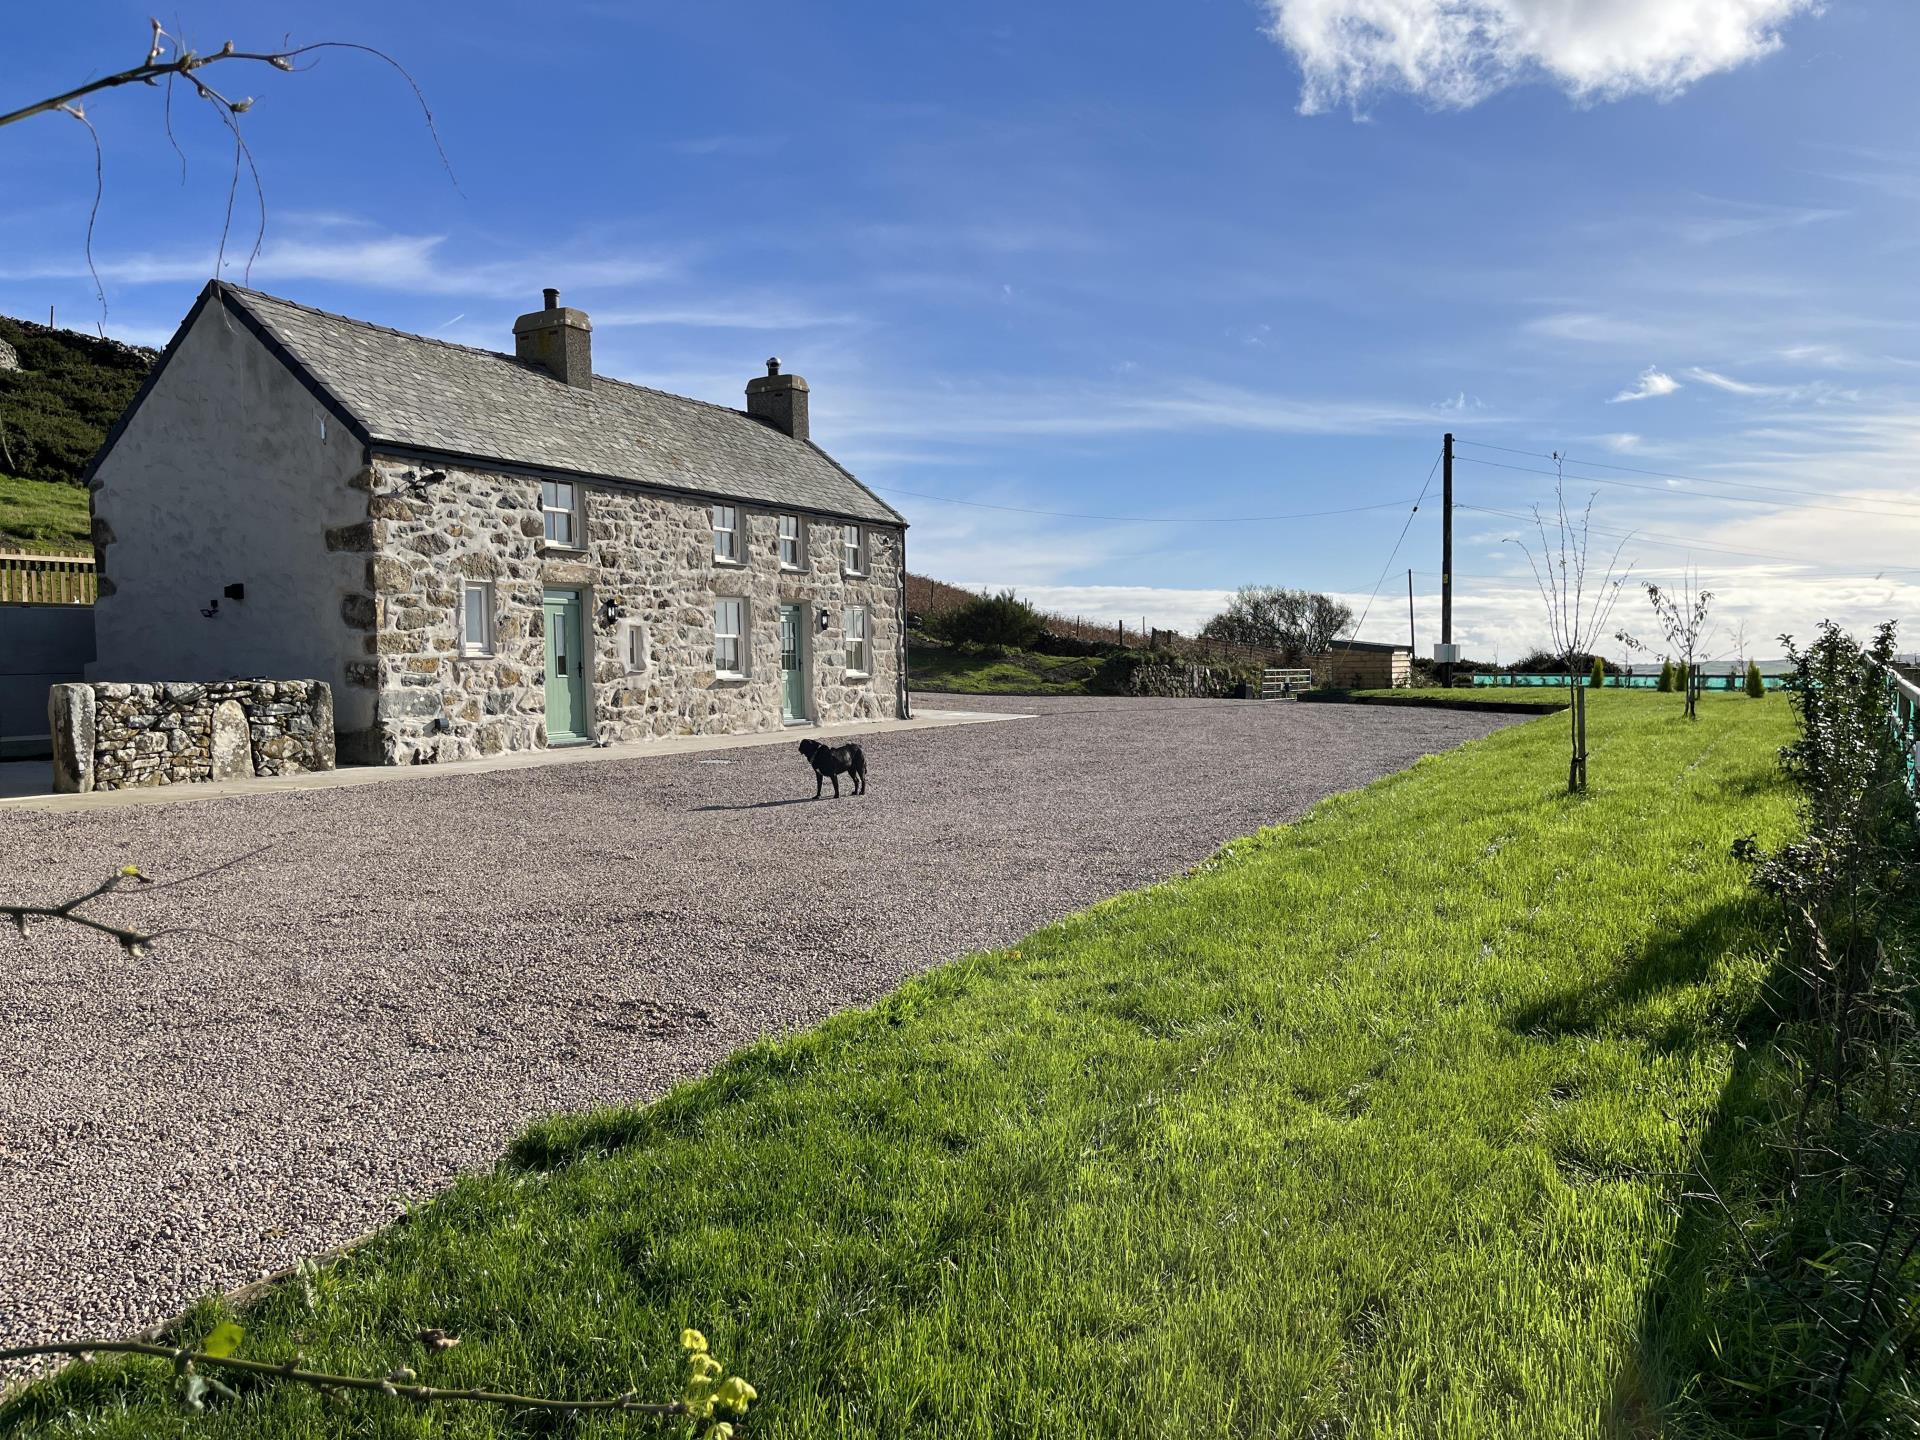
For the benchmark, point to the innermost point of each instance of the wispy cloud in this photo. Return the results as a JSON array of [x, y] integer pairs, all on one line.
[[1456, 53], [385, 261], [744, 315], [1731, 385], [1653, 384]]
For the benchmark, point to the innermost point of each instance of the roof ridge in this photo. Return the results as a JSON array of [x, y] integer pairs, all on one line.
[[249, 293]]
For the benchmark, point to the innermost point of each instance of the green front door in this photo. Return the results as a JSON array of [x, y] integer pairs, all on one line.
[[793, 670], [566, 669]]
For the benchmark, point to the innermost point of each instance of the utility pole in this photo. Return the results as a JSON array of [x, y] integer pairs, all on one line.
[[1446, 558], [1413, 645]]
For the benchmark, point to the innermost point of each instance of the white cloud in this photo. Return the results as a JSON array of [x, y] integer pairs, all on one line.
[[1654, 382], [1622, 442], [412, 263], [1733, 386], [1458, 52]]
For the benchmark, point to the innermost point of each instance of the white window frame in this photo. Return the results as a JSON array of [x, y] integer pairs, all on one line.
[[474, 646], [550, 512], [636, 647], [853, 549], [798, 539], [726, 534], [741, 636], [863, 631]]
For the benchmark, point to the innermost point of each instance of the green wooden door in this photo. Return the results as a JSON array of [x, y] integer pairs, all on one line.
[[566, 668], [793, 670]]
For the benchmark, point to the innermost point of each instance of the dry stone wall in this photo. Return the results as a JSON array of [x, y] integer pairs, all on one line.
[[111, 736], [646, 560], [1187, 682]]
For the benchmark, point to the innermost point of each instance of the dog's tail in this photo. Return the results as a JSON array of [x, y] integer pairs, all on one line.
[[859, 759]]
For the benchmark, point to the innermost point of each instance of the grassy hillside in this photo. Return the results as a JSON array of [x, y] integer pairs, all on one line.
[[44, 517], [998, 672], [1373, 1125], [56, 408]]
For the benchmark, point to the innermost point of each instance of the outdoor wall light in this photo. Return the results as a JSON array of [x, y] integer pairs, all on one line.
[[823, 622]]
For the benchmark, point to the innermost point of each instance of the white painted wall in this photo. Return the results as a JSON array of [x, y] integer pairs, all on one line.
[[230, 471]]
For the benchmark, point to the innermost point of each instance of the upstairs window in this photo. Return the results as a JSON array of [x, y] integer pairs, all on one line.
[[730, 639], [854, 621], [789, 542], [726, 534], [853, 550], [560, 508]]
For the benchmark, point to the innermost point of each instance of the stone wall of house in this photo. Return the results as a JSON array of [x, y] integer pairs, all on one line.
[[110, 736], [646, 560]]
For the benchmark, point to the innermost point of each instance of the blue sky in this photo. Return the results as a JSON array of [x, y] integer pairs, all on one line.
[[1189, 262]]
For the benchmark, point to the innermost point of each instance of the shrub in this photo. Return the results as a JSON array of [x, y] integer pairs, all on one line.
[[1597, 677], [1680, 677], [1665, 685], [1002, 619], [1756, 683]]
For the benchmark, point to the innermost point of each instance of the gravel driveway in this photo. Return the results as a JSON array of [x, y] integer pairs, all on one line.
[[402, 975]]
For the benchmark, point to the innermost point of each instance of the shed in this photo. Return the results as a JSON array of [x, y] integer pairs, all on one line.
[[1366, 665]]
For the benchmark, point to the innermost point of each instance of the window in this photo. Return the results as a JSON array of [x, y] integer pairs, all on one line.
[[853, 552], [789, 542], [854, 622], [730, 638], [634, 646], [476, 618], [559, 506], [726, 534]]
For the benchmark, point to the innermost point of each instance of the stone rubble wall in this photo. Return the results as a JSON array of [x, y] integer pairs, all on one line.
[[646, 559], [109, 736], [1187, 682]]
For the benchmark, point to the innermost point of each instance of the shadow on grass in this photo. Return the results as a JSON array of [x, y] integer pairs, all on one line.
[[1627, 1001]]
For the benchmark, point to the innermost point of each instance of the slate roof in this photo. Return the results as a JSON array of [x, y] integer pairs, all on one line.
[[409, 390]]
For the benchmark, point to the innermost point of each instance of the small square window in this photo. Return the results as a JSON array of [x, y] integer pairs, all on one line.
[[726, 533], [854, 621], [853, 550], [476, 618], [790, 542], [560, 508], [730, 639], [635, 646]]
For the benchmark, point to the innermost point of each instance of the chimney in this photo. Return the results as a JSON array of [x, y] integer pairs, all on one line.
[[558, 340], [780, 400]]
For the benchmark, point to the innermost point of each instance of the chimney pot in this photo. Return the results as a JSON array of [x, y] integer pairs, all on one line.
[[553, 297], [773, 365]]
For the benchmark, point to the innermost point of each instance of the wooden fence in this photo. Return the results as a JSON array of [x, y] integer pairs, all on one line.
[[47, 579]]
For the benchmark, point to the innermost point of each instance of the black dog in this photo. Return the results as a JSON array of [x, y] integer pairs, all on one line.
[[830, 762]]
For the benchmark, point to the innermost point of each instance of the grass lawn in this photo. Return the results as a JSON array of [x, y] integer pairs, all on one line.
[[1369, 1126], [43, 518], [1008, 672]]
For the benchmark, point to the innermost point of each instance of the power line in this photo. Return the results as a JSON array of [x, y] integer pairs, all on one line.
[[1675, 494], [1368, 607], [1146, 519], [1666, 474]]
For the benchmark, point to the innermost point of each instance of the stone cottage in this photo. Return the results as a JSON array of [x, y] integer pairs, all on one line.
[[484, 551]]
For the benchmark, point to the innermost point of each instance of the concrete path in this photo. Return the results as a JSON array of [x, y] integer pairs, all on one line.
[[369, 988]]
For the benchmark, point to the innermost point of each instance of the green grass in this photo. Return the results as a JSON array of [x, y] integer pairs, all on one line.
[[999, 672], [44, 517], [1368, 1126]]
